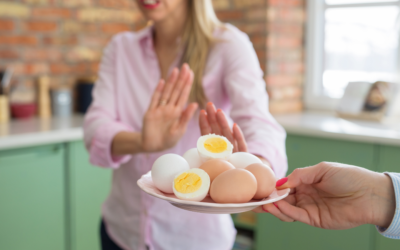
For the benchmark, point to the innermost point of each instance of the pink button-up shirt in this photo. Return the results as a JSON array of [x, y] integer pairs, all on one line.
[[128, 76]]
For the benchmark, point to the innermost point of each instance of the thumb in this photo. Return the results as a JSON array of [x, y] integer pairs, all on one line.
[[307, 175]]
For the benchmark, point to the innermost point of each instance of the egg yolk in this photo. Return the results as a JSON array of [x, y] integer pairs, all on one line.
[[187, 183], [215, 145]]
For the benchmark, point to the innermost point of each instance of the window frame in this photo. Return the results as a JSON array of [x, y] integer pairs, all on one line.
[[315, 41]]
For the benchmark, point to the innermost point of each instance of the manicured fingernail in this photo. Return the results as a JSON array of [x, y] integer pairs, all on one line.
[[203, 111], [209, 103], [281, 182], [235, 124], [275, 205], [219, 110], [264, 209]]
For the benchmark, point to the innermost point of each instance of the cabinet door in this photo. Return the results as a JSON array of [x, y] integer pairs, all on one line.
[[32, 198], [307, 151], [389, 161], [89, 187]]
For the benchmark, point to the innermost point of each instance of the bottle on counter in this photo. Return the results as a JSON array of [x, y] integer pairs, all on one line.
[[44, 104]]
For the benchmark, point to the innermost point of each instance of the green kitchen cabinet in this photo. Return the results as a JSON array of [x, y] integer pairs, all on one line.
[[88, 188], [389, 161], [32, 204], [308, 151]]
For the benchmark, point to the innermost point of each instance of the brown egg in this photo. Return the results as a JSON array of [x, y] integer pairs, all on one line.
[[234, 186], [265, 180], [215, 167]]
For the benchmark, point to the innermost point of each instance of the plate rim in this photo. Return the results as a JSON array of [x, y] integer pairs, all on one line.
[[208, 204]]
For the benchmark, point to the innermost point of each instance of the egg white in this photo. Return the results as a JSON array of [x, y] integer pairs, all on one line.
[[164, 170], [207, 155], [199, 194]]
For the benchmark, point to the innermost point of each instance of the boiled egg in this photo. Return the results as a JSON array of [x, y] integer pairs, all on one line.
[[266, 179], [234, 186], [214, 147], [193, 158], [191, 185], [164, 170], [243, 159], [216, 167]]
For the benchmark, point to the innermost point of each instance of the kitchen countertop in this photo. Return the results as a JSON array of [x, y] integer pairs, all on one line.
[[33, 132], [327, 125]]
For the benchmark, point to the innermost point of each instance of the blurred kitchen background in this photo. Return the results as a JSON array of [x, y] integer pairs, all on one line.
[[321, 59]]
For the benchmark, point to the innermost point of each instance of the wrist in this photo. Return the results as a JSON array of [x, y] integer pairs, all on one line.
[[383, 202]]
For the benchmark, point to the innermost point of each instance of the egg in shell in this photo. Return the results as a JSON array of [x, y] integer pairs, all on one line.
[[266, 180], [234, 186], [164, 170], [243, 159], [193, 158], [216, 167], [191, 185], [214, 147]]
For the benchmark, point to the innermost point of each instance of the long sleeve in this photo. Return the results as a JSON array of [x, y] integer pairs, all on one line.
[[245, 87], [393, 231], [101, 122]]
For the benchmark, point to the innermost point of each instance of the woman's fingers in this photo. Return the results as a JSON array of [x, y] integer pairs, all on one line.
[[239, 137], [308, 176], [155, 99], [205, 128], [275, 211], [212, 118], [170, 84], [185, 92], [293, 212], [180, 85], [187, 114], [224, 125]]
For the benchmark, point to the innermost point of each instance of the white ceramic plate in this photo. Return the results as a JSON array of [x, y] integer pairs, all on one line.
[[207, 205]]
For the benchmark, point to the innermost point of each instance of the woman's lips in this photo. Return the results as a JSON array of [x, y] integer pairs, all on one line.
[[150, 4]]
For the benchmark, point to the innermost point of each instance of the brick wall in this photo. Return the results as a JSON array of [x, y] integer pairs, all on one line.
[[65, 38], [276, 28]]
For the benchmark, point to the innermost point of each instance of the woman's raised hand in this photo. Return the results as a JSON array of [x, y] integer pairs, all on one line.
[[166, 120], [214, 121], [336, 196]]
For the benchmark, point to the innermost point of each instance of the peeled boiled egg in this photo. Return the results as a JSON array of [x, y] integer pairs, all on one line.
[[193, 158], [191, 185], [243, 159], [164, 170], [215, 167], [234, 186], [266, 179], [214, 147]]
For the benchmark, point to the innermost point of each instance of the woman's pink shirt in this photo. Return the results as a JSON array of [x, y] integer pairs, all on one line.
[[128, 76]]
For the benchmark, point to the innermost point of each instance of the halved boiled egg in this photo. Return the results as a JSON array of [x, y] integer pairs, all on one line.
[[192, 185], [214, 147]]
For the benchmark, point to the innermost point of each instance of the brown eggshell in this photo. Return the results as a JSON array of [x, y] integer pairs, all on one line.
[[234, 186], [265, 180], [215, 167]]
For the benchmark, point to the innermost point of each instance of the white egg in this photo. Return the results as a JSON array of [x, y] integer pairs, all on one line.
[[214, 147], [243, 159], [193, 158], [164, 170], [192, 185]]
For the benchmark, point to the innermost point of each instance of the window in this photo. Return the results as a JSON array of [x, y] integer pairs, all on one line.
[[347, 41]]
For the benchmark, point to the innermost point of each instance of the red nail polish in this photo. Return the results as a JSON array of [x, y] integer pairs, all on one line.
[[281, 182], [202, 111], [275, 205], [209, 103], [219, 110], [264, 209]]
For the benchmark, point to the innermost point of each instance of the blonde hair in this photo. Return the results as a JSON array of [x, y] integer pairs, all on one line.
[[198, 39]]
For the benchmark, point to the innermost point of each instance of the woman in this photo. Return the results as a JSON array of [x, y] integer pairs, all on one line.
[[338, 196], [136, 117]]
